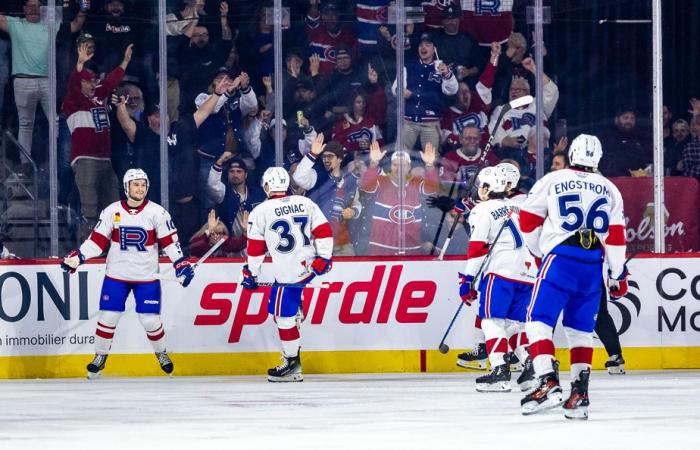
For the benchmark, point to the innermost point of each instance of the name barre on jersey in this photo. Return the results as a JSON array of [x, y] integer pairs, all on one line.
[[289, 209]]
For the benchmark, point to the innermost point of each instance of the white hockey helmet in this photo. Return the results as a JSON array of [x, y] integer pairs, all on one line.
[[134, 174], [585, 151], [494, 177], [276, 179], [511, 173]]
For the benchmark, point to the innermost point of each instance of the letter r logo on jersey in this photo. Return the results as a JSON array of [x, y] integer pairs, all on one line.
[[132, 237], [487, 7]]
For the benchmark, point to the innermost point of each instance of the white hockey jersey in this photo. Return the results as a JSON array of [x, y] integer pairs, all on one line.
[[569, 200], [294, 231], [510, 257], [133, 237]]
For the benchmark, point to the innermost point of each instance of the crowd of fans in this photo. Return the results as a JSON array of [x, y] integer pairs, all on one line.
[[339, 120]]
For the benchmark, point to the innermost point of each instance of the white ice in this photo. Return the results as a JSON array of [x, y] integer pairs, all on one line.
[[640, 410]]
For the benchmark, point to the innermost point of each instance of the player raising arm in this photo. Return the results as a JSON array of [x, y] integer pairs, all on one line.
[[131, 232], [295, 232], [573, 219]]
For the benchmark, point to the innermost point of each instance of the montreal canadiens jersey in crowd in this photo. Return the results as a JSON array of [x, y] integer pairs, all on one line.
[[487, 20], [568, 200], [510, 257], [294, 231], [133, 237]]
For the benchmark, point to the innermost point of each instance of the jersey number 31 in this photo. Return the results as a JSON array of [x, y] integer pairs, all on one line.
[[575, 218]]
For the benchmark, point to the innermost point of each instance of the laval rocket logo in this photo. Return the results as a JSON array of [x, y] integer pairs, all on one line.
[[628, 305]]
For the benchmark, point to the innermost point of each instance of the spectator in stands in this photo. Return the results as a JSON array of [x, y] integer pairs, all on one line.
[[5, 252], [425, 84], [237, 196], [625, 150], [357, 128], [511, 66], [304, 100], [488, 22], [124, 156], [691, 152], [515, 127], [673, 151], [203, 57], [332, 188], [371, 14], [560, 160], [264, 46], [222, 131], [30, 66], [325, 34], [296, 143], [211, 233], [91, 152], [471, 108], [387, 211], [182, 152], [294, 60], [456, 49], [460, 165]]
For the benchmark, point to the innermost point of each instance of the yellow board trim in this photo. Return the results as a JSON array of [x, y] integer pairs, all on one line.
[[330, 362]]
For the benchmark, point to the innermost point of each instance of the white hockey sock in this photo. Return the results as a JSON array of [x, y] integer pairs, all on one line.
[[496, 340], [104, 334], [154, 331], [479, 337], [581, 350], [289, 335]]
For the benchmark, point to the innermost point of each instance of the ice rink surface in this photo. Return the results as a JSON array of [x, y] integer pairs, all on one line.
[[639, 410]]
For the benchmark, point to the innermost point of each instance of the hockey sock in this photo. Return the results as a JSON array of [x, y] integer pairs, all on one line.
[[289, 335], [541, 346], [479, 337], [154, 331], [581, 345], [496, 340], [106, 326], [518, 343]]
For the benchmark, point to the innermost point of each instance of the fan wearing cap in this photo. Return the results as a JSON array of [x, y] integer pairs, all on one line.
[[333, 188], [426, 81], [84, 108], [326, 34], [388, 211]]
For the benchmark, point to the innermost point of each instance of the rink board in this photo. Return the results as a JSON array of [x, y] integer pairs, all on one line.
[[374, 315]]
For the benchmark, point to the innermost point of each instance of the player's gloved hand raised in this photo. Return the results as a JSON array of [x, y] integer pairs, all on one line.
[[319, 266], [618, 286], [464, 206], [466, 289], [71, 262], [183, 271], [248, 280]]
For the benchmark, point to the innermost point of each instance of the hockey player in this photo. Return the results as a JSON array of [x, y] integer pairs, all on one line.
[[506, 282], [573, 218], [131, 231], [295, 232]]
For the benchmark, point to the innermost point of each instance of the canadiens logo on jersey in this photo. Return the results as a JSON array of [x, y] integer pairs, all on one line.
[[408, 212]]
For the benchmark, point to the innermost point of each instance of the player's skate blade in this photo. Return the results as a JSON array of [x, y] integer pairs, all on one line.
[[548, 395], [615, 365], [166, 364], [94, 369], [475, 359], [496, 381], [287, 372], [576, 406]]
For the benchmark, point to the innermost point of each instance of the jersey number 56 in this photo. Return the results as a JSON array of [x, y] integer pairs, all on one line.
[[575, 218]]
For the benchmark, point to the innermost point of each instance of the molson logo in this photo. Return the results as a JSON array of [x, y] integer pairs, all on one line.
[[645, 227]]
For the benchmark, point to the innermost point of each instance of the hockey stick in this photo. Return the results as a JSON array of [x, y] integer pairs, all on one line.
[[517, 103], [181, 279], [442, 219], [444, 348]]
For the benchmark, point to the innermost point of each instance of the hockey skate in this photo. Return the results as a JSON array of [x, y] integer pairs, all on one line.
[[288, 371], [496, 381], [475, 359], [527, 381], [547, 395], [165, 362], [515, 364], [96, 366], [615, 365], [576, 406]]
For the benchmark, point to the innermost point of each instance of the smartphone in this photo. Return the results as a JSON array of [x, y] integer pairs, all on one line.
[[300, 116]]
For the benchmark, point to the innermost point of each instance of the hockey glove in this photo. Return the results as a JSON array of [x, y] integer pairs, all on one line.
[[248, 280], [442, 202], [319, 266], [464, 206], [618, 286], [71, 262], [183, 271], [466, 290]]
